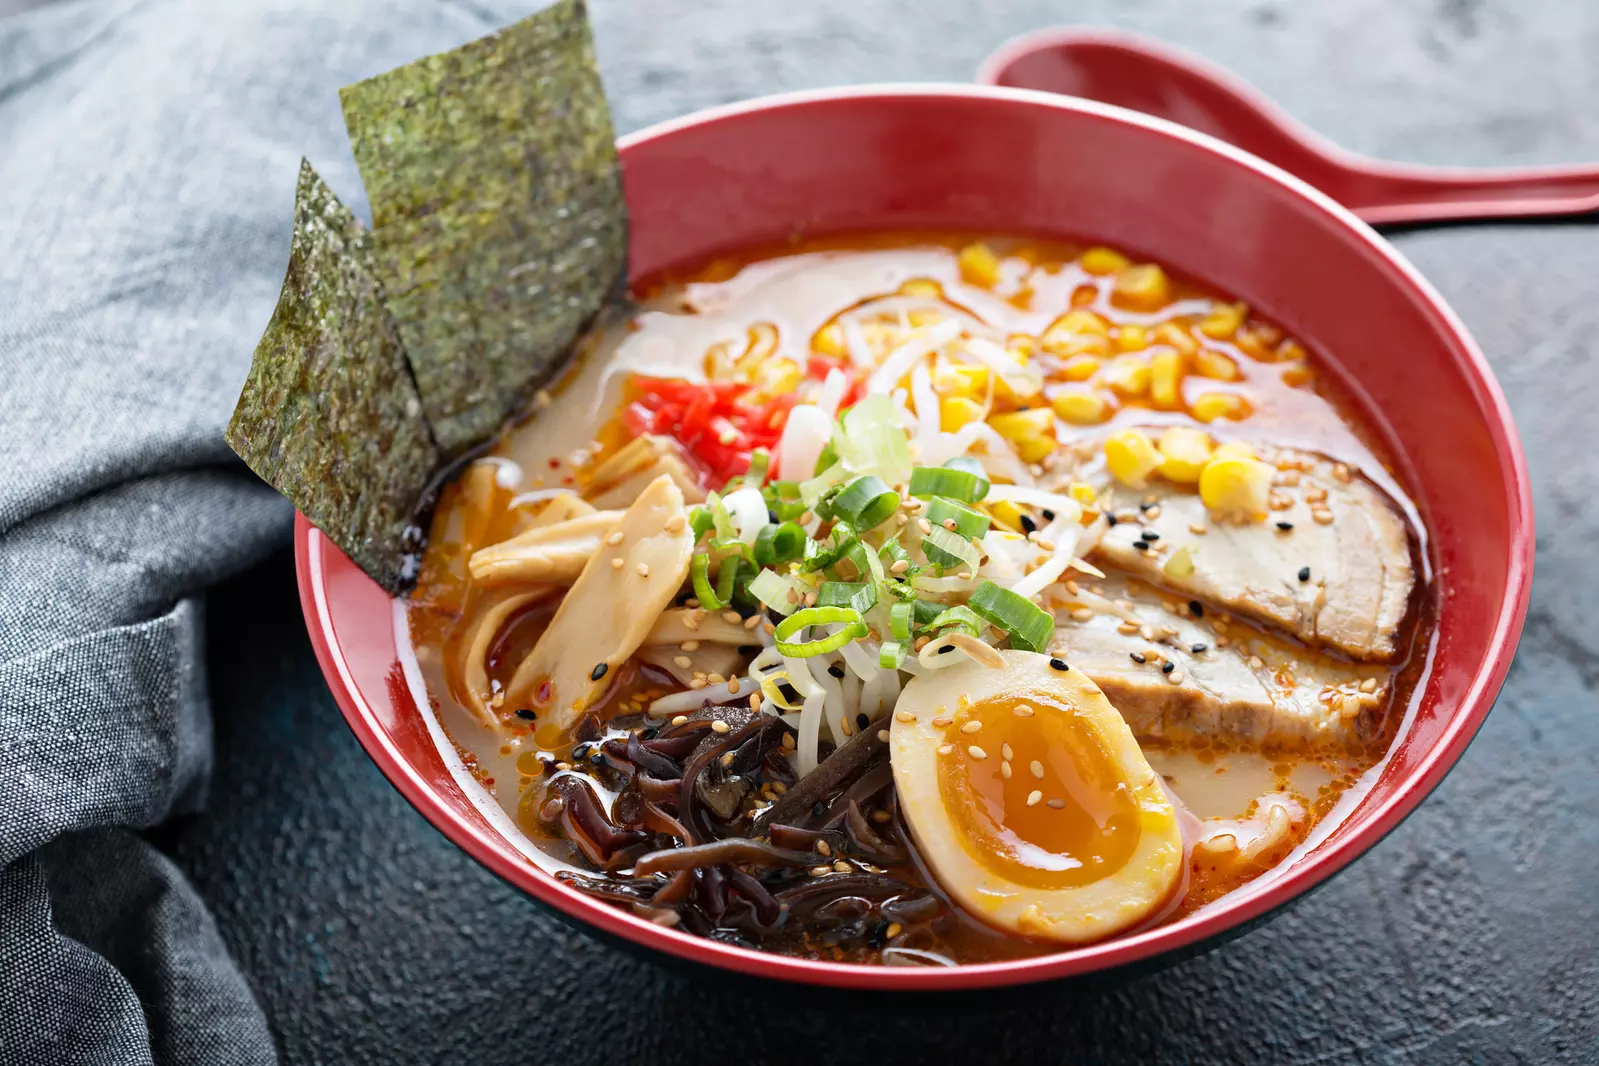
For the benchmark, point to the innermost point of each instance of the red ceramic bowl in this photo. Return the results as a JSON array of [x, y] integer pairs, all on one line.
[[1011, 161]]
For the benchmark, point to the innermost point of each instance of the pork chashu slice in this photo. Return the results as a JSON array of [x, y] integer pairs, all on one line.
[[1228, 683], [1340, 576]]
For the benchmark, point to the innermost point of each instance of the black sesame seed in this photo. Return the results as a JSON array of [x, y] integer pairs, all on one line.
[[879, 935], [836, 670], [1028, 525], [1058, 664], [580, 752], [599, 671], [1285, 526], [1049, 516], [946, 649], [1199, 649], [818, 809], [1146, 505], [861, 721], [771, 517], [1167, 667], [748, 649], [1138, 657], [1141, 545], [1196, 608], [523, 712], [597, 757], [1304, 573], [1110, 519], [1150, 535]]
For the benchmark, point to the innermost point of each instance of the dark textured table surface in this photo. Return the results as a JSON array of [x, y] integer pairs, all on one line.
[[1470, 935]]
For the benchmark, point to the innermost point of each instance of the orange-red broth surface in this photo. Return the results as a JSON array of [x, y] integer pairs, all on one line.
[[1119, 342]]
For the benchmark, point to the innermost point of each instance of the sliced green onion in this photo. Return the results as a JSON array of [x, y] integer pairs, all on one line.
[[699, 572], [825, 458], [860, 595], [1028, 624], [820, 558], [871, 440], [849, 619], [962, 618], [902, 621], [968, 523], [946, 549], [866, 502], [760, 460], [927, 611], [721, 521], [774, 590], [952, 482], [700, 521], [728, 574], [814, 489], [777, 544], [892, 655]]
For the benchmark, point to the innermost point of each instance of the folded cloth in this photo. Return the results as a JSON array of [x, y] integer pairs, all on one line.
[[148, 153]]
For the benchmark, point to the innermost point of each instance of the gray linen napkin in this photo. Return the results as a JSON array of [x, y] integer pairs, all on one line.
[[148, 151]]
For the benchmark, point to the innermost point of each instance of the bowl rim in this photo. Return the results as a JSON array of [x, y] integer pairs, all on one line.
[[1229, 913]]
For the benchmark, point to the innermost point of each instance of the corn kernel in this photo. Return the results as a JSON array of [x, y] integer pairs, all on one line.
[[1007, 514], [1184, 451], [1132, 338], [1127, 375], [1237, 487], [1210, 406], [1079, 367], [1083, 493], [1099, 260], [924, 316], [1291, 351], [1081, 406], [979, 266], [957, 411], [1032, 432], [1209, 363], [1021, 346], [1131, 457], [1176, 336], [1017, 390], [1233, 449], [1224, 320], [966, 380], [829, 340], [776, 377], [1298, 375], [1143, 288], [1166, 378], [926, 287]]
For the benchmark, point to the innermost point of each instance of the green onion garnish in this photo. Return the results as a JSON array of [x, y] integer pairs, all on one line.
[[777, 544], [902, 621], [956, 484], [961, 618], [821, 558], [700, 521], [892, 655], [1028, 624], [852, 628], [866, 503], [782, 594], [698, 572], [968, 524], [859, 595], [760, 459], [948, 549], [721, 521]]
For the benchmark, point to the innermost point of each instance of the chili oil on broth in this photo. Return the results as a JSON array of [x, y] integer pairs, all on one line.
[[1259, 385]]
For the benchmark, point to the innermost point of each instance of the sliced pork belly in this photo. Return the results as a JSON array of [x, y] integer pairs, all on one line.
[[1331, 563], [1228, 682]]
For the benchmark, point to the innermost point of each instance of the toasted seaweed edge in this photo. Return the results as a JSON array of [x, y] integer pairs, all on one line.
[[329, 414], [491, 277]]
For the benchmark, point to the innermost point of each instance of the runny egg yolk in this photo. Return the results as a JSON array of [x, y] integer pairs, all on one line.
[[1035, 792]]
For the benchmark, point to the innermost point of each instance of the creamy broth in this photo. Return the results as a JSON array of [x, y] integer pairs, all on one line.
[[1246, 807]]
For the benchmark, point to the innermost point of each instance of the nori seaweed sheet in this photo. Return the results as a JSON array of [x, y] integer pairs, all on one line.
[[497, 209], [330, 415]]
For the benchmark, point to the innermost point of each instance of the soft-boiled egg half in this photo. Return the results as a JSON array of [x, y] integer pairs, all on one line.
[[1031, 801]]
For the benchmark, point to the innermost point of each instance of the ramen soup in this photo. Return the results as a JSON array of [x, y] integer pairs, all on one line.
[[924, 601]]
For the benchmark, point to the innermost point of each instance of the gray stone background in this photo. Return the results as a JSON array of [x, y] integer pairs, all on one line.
[[1468, 936]]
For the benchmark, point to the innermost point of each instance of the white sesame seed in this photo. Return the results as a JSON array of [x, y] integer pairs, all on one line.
[[1082, 614], [977, 753], [720, 726], [1023, 711], [617, 563], [841, 867], [971, 727], [675, 524], [1004, 770], [1057, 803], [680, 719], [1006, 752], [614, 537], [1034, 797], [942, 720], [684, 661], [824, 847], [643, 569], [945, 749], [1036, 768], [732, 617], [904, 716]]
